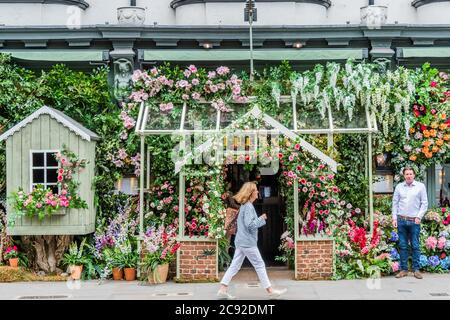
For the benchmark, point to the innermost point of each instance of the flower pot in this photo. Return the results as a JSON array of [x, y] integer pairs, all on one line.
[[159, 275], [130, 274], [75, 272], [14, 262], [117, 273]]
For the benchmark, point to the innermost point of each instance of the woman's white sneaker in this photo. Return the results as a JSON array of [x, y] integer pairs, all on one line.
[[225, 295], [276, 293]]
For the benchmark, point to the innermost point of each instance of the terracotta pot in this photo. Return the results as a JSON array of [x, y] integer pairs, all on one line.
[[117, 273], [75, 272], [14, 262], [159, 275], [130, 274]]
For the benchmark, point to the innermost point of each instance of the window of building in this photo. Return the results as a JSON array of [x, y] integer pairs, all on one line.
[[44, 169]]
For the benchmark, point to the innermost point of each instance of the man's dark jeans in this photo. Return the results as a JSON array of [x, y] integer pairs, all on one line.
[[409, 231]]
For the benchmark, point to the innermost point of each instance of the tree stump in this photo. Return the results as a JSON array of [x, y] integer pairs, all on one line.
[[48, 250]]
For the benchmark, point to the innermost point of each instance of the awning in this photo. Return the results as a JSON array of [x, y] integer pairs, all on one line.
[[259, 54], [59, 55], [424, 52]]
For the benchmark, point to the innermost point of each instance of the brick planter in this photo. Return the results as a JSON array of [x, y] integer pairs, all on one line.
[[315, 258], [198, 261]]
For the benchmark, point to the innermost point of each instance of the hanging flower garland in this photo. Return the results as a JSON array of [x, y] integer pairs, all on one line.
[[204, 208], [43, 202]]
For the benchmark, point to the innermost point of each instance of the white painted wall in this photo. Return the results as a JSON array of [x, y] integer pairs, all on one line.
[[436, 13], [159, 11]]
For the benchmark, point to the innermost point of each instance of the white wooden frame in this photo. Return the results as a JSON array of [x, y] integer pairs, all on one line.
[[45, 168]]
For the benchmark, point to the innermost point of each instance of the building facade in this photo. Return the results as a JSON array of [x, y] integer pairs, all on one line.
[[127, 35]]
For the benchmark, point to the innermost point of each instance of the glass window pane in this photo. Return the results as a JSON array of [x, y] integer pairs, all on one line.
[[38, 175], [38, 159], [282, 113], [201, 117], [236, 112], [54, 188], [309, 117], [51, 160], [344, 119], [52, 175], [164, 116]]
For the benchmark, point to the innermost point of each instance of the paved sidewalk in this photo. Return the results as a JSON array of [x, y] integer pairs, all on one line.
[[245, 286]]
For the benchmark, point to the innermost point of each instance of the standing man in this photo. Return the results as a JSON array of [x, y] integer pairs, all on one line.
[[409, 206]]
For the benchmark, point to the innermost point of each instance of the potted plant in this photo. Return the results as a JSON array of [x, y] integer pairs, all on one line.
[[115, 259], [12, 254], [160, 246], [130, 264], [75, 260]]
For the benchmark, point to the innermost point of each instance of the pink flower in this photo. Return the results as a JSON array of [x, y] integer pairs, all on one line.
[[395, 266], [60, 178], [291, 158], [433, 84], [195, 95], [211, 75], [443, 75], [195, 81], [187, 73], [431, 243], [365, 250], [38, 205], [335, 189], [441, 243], [443, 210], [53, 203], [297, 146], [236, 90], [192, 68], [222, 70]]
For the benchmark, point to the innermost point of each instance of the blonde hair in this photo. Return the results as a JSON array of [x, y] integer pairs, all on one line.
[[245, 192]]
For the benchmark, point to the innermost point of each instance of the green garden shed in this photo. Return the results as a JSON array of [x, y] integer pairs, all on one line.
[[31, 146]]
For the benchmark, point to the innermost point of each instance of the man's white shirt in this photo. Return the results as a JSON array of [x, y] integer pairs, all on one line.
[[410, 200]]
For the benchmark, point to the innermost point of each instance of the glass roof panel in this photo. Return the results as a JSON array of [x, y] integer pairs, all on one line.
[[343, 119], [236, 111], [283, 113], [309, 117], [163, 116], [200, 117]]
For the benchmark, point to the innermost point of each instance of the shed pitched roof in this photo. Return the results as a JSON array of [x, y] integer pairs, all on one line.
[[59, 116]]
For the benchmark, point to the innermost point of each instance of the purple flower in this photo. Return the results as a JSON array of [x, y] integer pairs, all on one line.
[[433, 261]]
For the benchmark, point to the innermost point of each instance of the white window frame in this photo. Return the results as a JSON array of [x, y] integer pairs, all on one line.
[[45, 168]]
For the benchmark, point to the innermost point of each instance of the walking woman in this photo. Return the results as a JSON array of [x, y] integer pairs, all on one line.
[[246, 243]]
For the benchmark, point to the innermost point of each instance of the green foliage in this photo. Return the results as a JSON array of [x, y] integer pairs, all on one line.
[[75, 256]]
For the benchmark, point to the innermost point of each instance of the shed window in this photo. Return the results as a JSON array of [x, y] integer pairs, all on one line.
[[44, 169]]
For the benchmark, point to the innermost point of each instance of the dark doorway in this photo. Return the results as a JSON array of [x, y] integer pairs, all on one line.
[[269, 202]]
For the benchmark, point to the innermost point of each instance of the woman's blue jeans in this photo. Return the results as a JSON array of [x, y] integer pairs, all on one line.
[[409, 232]]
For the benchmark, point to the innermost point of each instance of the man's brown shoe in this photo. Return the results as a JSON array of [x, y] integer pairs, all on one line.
[[418, 275], [401, 274]]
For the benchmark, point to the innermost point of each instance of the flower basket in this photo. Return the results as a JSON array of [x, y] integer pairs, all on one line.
[[159, 275], [14, 262], [130, 274], [75, 272], [117, 273]]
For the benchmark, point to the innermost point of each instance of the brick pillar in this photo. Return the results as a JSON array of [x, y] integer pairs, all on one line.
[[315, 259], [198, 262]]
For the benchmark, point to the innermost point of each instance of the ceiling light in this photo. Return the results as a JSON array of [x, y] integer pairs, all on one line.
[[297, 45]]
